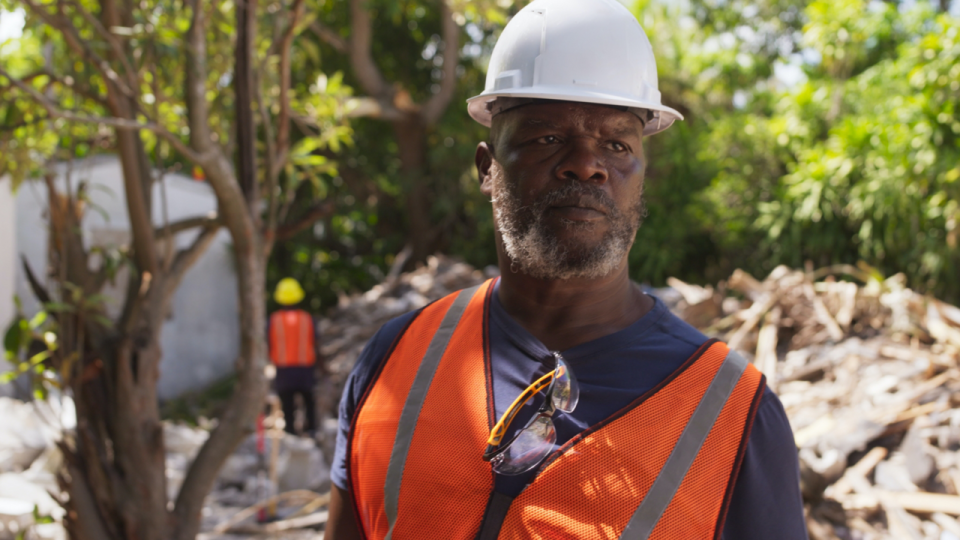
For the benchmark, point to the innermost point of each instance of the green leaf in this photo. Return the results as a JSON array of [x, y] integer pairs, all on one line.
[[38, 358], [59, 307], [13, 339], [38, 320]]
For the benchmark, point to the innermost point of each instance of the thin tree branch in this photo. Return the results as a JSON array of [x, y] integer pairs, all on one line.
[[38, 289], [133, 78], [272, 173], [361, 56], [79, 45], [185, 258], [86, 92], [330, 37], [30, 77], [450, 33], [283, 122], [245, 130], [183, 225], [196, 76], [361, 59], [54, 111], [288, 230], [22, 124]]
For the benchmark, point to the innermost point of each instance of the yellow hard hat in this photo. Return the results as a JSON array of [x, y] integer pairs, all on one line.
[[289, 292]]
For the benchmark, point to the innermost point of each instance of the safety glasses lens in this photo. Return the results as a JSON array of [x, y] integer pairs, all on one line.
[[566, 391], [529, 448]]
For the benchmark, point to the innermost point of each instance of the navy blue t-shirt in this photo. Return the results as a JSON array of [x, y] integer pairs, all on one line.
[[613, 371]]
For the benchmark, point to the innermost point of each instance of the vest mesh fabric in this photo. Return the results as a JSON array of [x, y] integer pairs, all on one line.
[[448, 442], [593, 488], [375, 424], [698, 502], [292, 339], [588, 489]]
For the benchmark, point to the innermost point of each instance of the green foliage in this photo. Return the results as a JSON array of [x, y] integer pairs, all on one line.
[[857, 162], [33, 346], [28, 345], [38, 519], [353, 249], [880, 184], [155, 62], [853, 160]]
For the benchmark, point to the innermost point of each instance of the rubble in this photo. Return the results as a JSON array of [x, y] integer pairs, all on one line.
[[346, 329], [869, 374], [29, 461], [867, 370]]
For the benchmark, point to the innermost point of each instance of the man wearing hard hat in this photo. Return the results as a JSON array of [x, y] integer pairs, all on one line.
[[294, 352], [560, 401]]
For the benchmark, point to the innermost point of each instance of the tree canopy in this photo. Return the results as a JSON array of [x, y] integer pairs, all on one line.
[[815, 131]]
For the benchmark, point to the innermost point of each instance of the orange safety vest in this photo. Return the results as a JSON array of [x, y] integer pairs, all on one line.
[[661, 468], [291, 338]]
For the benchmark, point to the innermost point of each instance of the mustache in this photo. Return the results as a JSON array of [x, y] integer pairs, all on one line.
[[586, 194]]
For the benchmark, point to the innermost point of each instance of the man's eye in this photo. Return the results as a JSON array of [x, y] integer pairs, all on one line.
[[549, 139], [618, 147]]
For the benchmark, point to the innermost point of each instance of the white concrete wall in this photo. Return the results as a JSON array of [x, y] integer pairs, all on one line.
[[200, 338], [8, 264]]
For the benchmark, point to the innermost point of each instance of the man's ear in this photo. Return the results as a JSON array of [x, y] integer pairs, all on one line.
[[484, 162]]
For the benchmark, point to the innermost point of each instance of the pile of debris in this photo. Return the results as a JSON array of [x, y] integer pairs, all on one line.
[[870, 378], [346, 329], [29, 462], [271, 484], [284, 480]]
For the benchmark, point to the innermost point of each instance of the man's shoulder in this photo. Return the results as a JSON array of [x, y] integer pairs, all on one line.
[[671, 328], [381, 342], [379, 346], [373, 355]]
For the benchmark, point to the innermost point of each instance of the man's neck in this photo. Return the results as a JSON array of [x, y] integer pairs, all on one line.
[[566, 313]]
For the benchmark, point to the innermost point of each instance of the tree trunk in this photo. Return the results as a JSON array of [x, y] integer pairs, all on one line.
[[119, 452], [115, 472], [412, 148], [246, 401]]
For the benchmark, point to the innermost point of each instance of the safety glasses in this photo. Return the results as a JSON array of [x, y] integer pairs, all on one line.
[[530, 445]]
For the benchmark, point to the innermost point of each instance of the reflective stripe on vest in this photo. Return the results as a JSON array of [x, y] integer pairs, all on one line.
[[291, 338], [661, 468]]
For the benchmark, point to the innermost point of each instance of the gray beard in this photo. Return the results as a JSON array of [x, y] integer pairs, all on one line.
[[534, 250]]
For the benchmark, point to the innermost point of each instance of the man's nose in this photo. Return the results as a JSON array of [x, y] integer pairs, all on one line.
[[582, 161]]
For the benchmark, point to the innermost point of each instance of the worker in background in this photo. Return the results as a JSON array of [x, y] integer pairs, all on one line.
[[295, 352], [559, 400]]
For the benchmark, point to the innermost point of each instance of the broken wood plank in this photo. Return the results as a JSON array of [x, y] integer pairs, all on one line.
[[856, 475], [926, 502]]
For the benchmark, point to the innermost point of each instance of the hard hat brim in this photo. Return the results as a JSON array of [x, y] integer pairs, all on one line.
[[477, 105]]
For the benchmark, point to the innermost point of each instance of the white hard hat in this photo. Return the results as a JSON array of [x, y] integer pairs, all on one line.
[[588, 51]]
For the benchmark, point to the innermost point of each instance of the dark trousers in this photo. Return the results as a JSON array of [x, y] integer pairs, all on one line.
[[288, 403], [295, 380]]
